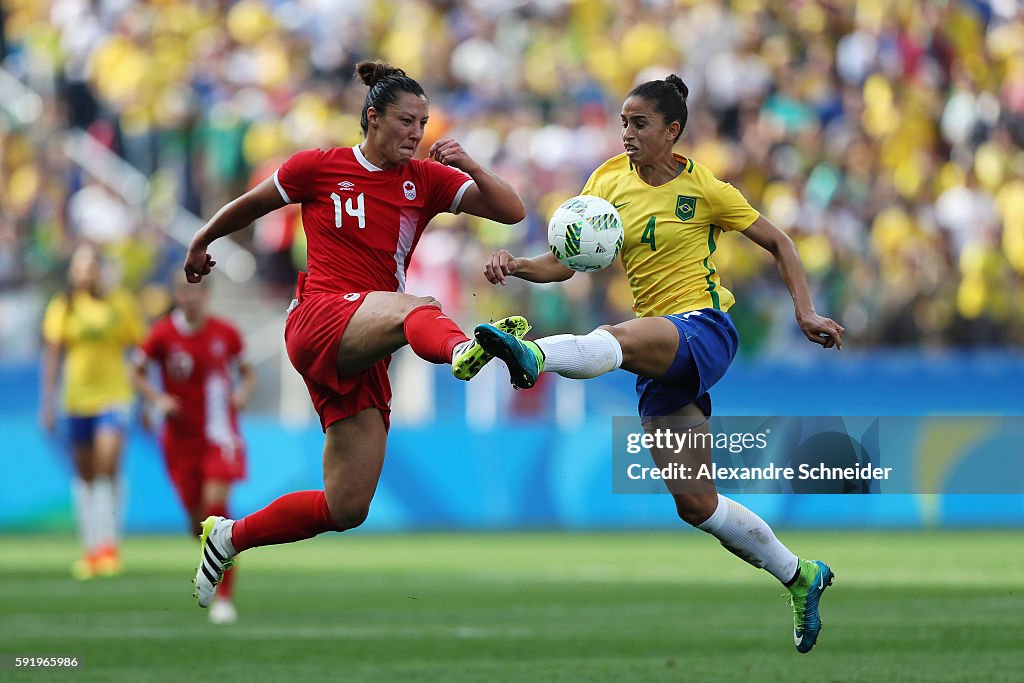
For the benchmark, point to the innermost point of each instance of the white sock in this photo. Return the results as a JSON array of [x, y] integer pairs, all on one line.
[[459, 348], [81, 494], [103, 506], [581, 356], [225, 538], [747, 536], [120, 500]]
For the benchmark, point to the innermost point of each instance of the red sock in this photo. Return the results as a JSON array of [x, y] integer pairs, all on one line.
[[432, 335], [292, 517], [224, 587]]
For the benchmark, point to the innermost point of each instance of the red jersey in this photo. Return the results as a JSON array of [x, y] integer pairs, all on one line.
[[362, 223], [195, 369]]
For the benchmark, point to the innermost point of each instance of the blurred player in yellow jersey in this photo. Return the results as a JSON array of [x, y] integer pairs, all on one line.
[[90, 330], [674, 211]]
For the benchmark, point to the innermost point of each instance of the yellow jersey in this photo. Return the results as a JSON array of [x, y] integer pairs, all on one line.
[[95, 334], [671, 233]]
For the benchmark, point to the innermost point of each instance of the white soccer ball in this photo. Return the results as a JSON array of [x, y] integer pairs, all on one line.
[[585, 233]]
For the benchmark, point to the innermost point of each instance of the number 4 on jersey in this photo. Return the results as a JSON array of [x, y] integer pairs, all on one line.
[[356, 211], [648, 236]]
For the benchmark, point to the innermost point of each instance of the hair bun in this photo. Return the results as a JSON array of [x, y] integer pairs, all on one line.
[[678, 83], [371, 72]]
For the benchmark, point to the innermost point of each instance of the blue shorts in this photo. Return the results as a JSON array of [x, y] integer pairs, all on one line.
[[82, 428], [707, 345]]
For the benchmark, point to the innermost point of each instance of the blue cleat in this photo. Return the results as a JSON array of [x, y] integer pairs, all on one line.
[[524, 359], [804, 595]]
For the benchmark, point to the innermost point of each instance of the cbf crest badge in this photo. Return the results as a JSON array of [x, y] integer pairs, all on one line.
[[409, 189], [686, 207]]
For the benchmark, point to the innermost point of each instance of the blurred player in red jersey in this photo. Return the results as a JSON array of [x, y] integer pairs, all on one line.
[[363, 211], [197, 355]]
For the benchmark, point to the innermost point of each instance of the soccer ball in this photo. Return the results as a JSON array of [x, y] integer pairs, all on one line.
[[585, 233]]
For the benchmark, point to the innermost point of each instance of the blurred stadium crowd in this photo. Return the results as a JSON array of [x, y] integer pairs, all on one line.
[[884, 135]]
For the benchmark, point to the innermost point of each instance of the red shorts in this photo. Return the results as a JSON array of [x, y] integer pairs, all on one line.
[[193, 461], [312, 335]]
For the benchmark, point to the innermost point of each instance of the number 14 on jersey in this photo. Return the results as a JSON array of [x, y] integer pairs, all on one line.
[[356, 211]]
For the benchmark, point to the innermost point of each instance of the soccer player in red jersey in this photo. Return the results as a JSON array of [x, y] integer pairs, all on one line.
[[197, 355], [363, 211]]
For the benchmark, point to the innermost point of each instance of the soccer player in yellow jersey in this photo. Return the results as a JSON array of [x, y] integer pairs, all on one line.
[[674, 211], [91, 330]]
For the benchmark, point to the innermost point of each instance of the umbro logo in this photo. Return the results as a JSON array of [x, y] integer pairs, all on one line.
[[347, 185]]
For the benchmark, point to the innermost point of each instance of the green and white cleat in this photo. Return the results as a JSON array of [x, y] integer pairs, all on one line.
[[804, 596], [215, 556], [470, 358]]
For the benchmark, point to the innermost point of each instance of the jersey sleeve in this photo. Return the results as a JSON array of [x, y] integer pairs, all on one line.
[[591, 187], [730, 209], [447, 185], [295, 178], [152, 347], [54, 318]]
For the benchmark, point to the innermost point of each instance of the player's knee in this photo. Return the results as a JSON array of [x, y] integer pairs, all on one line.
[[349, 515], [410, 304], [425, 301], [690, 516], [622, 337], [697, 508]]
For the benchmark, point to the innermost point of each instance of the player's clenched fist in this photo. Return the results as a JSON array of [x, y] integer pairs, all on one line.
[[501, 265], [450, 153], [198, 264]]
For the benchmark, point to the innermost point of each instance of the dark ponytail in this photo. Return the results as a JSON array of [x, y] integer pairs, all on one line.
[[678, 83], [668, 97], [385, 82]]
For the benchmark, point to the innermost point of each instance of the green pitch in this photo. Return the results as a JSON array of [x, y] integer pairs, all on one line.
[[524, 607]]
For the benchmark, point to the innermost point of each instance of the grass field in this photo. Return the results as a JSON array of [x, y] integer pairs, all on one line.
[[525, 607]]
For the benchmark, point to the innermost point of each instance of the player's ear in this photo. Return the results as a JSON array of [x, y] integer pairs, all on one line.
[[672, 131], [372, 117]]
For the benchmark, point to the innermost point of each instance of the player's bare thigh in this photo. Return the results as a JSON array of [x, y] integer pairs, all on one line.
[[353, 458], [695, 500], [649, 345], [376, 330], [107, 446]]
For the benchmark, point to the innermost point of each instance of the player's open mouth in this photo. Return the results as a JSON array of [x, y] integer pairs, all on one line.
[[630, 149]]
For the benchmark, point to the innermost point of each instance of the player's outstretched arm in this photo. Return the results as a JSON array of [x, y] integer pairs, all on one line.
[[165, 403], [816, 328], [232, 217], [543, 268], [490, 196]]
